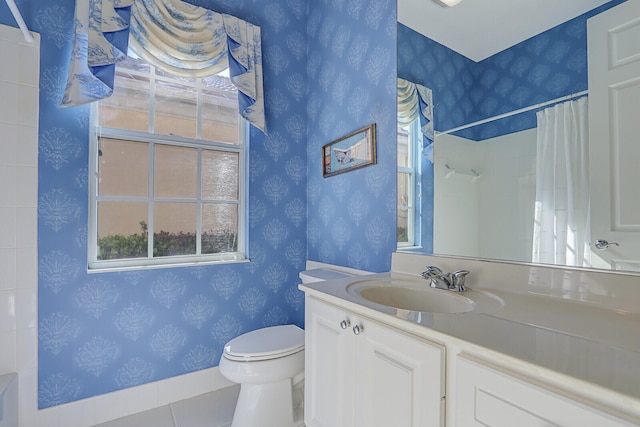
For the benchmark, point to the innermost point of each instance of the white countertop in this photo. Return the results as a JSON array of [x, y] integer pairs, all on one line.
[[587, 341]]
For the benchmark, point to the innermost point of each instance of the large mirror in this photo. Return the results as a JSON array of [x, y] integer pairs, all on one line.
[[506, 76]]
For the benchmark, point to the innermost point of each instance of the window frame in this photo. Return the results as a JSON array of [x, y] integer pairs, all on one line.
[[414, 187], [242, 148]]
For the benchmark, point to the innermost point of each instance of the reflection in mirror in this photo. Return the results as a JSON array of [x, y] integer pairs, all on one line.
[[415, 142], [491, 196], [512, 196]]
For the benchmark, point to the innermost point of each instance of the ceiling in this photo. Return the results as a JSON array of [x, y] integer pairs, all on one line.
[[478, 29]]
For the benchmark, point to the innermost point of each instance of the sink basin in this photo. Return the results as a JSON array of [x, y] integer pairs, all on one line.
[[411, 295]]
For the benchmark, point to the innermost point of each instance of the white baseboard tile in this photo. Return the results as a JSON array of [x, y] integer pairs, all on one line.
[[122, 403]]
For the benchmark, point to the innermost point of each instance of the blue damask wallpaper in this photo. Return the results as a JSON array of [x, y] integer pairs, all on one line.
[[352, 83], [332, 61], [545, 67], [106, 331]]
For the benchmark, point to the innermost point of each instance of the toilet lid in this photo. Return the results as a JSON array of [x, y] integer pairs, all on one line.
[[266, 343]]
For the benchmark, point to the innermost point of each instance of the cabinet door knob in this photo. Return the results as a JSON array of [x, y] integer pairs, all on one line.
[[345, 324], [358, 329]]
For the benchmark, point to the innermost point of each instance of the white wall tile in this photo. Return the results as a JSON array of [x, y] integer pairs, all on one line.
[[29, 66], [107, 407], [27, 106], [26, 145], [9, 112], [26, 268], [7, 227], [7, 311], [10, 70], [27, 353], [26, 191], [7, 269], [8, 149], [8, 352], [12, 34], [26, 227], [8, 187], [46, 418], [171, 390], [144, 397], [77, 414], [18, 258], [26, 309]]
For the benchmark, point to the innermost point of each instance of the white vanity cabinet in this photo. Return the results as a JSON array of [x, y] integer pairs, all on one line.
[[361, 373], [488, 395]]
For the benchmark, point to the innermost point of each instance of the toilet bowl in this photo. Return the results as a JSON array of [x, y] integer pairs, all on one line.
[[268, 364]]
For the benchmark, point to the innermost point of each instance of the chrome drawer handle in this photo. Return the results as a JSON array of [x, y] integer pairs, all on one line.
[[345, 324], [358, 329]]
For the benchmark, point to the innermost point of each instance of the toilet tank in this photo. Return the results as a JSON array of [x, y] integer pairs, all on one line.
[[322, 274]]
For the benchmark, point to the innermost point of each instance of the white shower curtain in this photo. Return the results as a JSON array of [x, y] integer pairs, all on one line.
[[561, 229]]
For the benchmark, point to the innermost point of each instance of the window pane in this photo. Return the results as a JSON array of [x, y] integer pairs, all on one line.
[[174, 229], [168, 76], [219, 175], [128, 107], [220, 116], [219, 228], [403, 147], [122, 230], [123, 168], [134, 64], [403, 212], [403, 226], [175, 109], [175, 172], [404, 182]]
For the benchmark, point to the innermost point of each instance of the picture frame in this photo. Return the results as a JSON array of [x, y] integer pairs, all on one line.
[[353, 151]]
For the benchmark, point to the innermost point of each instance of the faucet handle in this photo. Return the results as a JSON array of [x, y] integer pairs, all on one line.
[[431, 272], [458, 277]]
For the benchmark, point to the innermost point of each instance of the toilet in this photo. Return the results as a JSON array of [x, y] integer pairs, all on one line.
[[268, 364]]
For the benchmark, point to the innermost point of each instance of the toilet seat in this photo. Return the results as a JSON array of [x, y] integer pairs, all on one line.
[[266, 343]]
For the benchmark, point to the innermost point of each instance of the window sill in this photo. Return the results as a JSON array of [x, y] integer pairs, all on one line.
[[115, 269]]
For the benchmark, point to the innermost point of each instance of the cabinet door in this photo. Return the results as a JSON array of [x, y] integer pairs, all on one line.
[[328, 366], [488, 396], [399, 379]]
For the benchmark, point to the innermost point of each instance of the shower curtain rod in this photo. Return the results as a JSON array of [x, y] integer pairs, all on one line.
[[514, 112], [18, 17]]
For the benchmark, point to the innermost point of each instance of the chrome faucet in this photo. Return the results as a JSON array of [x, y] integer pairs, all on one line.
[[449, 281]]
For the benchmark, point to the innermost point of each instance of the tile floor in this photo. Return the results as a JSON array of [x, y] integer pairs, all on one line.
[[213, 409]]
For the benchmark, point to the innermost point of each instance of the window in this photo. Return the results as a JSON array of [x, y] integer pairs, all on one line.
[[408, 184], [169, 161]]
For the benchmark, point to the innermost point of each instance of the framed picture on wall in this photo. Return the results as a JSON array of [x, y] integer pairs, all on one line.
[[353, 151]]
